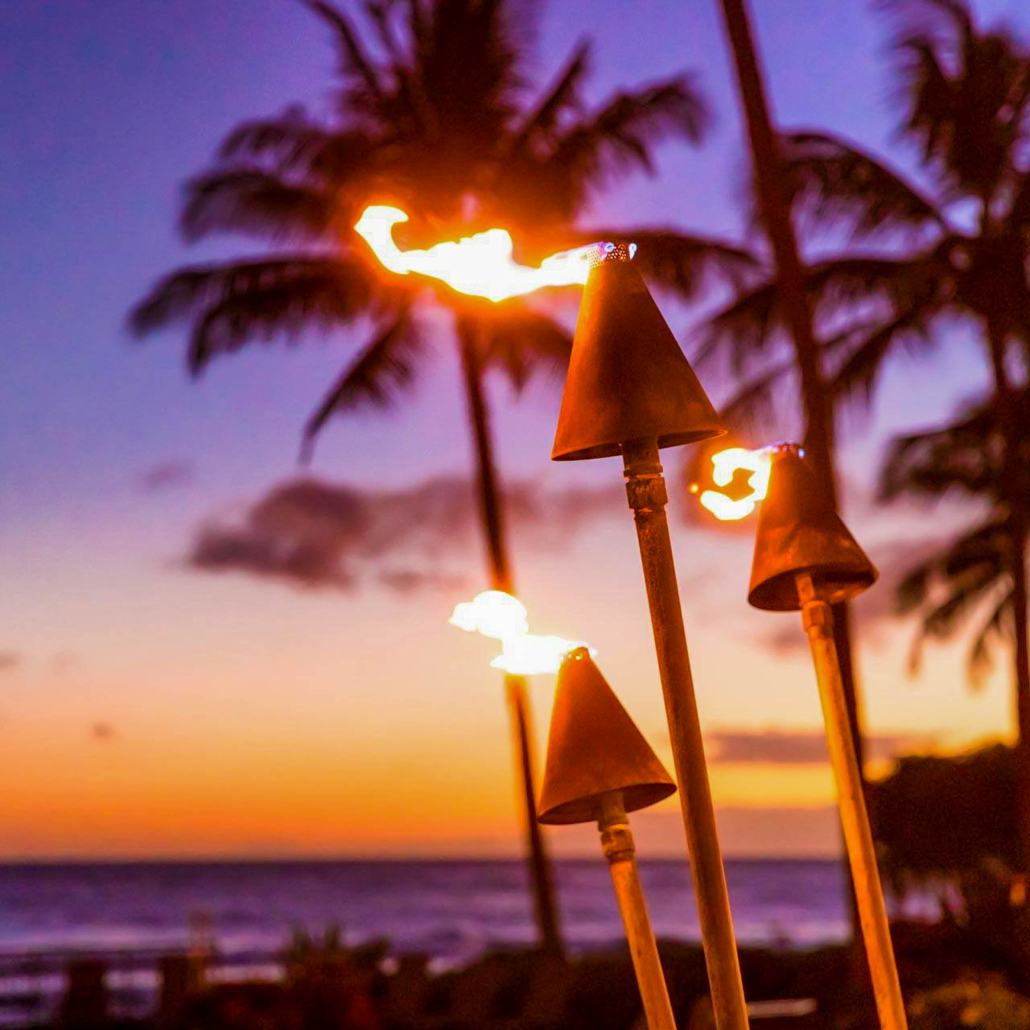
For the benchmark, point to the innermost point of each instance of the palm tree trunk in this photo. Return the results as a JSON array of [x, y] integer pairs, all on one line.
[[815, 393], [1022, 659], [492, 513], [1008, 420]]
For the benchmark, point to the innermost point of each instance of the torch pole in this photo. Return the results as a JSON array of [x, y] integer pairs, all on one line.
[[645, 490], [817, 617], [540, 867], [620, 850]]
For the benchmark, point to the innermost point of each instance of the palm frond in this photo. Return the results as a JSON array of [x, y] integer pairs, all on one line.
[[743, 329], [963, 566], [871, 288], [286, 139], [964, 92], [469, 69], [946, 588], [991, 632], [381, 15], [521, 341], [256, 203], [966, 456], [365, 93], [942, 620], [621, 135], [233, 303], [753, 404], [540, 122], [836, 182], [858, 374], [329, 158], [383, 370]]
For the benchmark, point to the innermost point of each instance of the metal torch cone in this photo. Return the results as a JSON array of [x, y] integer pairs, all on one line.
[[805, 560], [627, 378], [599, 767], [631, 391]]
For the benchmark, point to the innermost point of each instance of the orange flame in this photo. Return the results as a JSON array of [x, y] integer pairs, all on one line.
[[479, 265], [725, 466], [502, 617]]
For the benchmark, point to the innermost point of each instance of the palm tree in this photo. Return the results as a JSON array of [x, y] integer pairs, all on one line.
[[974, 573], [434, 111], [788, 280], [921, 256]]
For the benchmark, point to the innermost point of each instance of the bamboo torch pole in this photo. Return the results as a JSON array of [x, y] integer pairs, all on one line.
[[646, 492], [817, 617], [806, 560], [620, 850], [599, 766], [630, 391]]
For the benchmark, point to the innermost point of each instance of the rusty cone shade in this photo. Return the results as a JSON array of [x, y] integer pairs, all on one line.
[[628, 378], [595, 747], [799, 531]]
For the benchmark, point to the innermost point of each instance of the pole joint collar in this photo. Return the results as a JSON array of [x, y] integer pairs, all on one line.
[[817, 617], [617, 843], [647, 492]]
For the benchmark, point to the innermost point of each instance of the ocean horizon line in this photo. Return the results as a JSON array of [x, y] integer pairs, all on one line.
[[234, 858]]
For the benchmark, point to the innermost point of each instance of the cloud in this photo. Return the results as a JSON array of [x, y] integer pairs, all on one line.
[[787, 638], [410, 581], [103, 732], [9, 660], [315, 534], [171, 474], [795, 747]]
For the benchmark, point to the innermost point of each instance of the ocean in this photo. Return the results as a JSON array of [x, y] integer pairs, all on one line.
[[450, 910]]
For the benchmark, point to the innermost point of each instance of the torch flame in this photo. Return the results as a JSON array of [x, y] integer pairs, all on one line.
[[502, 617], [725, 465], [479, 265]]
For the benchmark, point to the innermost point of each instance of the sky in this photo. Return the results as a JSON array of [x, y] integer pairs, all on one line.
[[152, 707]]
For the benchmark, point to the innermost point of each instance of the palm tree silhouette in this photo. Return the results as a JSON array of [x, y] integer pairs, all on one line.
[[787, 279], [922, 256], [434, 112], [973, 574]]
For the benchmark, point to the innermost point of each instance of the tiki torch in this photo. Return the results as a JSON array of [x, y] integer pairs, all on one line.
[[806, 560], [630, 391], [599, 767]]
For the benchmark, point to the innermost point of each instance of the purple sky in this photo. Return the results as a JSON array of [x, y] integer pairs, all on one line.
[[110, 456], [108, 107]]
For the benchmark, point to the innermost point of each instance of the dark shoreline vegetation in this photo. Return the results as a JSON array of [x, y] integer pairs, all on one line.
[[325, 985]]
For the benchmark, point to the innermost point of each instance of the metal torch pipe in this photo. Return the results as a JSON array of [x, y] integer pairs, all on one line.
[[645, 490], [620, 850], [858, 839]]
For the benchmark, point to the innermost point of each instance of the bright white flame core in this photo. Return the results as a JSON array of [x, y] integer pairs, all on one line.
[[725, 465], [502, 617], [479, 265]]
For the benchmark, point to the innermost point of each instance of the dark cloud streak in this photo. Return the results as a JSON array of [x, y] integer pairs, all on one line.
[[171, 474], [794, 747], [319, 535]]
